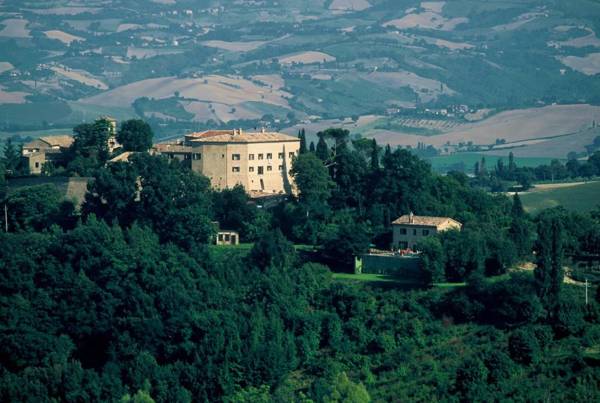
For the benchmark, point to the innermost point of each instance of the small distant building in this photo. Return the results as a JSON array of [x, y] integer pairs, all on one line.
[[227, 238], [409, 229], [45, 149]]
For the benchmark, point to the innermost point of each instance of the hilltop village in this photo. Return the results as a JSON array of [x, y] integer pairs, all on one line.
[[249, 265]]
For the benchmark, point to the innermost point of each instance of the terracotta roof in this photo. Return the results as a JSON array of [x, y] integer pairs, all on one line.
[[238, 136], [174, 148], [424, 220], [64, 141]]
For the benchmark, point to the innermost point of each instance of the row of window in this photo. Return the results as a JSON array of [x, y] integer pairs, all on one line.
[[236, 157], [403, 231], [261, 170]]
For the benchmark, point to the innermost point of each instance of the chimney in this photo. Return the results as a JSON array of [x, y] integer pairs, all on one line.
[[411, 218]]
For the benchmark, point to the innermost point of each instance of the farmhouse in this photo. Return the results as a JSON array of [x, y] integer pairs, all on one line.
[[409, 229], [259, 161], [45, 149]]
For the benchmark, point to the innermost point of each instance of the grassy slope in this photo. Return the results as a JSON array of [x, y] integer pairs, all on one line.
[[581, 198]]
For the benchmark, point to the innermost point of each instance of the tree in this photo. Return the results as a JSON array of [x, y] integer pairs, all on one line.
[[345, 239], [343, 390], [523, 346], [322, 149], [312, 147], [374, 156], [519, 229], [471, 378], [34, 208], [113, 193], [432, 260], [89, 150], [549, 274], [175, 202], [3, 184], [12, 157], [272, 250], [135, 135], [302, 137], [313, 182]]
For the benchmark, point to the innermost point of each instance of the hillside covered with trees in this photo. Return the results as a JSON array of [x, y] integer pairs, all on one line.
[[126, 300]]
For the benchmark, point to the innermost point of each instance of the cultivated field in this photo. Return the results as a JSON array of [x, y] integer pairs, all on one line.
[[15, 28], [5, 66], [80, 76], [63, 36], [588, 65], [12, 97], [309, 57], [355, 5], [234, 46], [430, 18], [226, 90], [513, 126], [579, 197]]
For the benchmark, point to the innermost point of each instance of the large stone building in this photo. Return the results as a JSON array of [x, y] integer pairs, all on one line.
[[45, 149], [259, 161], [409, 229]]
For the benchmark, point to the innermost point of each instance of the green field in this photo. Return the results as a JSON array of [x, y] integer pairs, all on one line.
[[468, 160], [579, 198]]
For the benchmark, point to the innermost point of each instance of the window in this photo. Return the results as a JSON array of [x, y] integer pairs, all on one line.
[[414, 232], [251, 169], [280, 168], [251, 157], [269, 168], [221, 237], [37, 164], [227, 237], [260, 156], [260, 170], [291, 155], [425, 232], [235, 157], [280, 156], [197, 156], [187, 156], [222, 155], [402, 231], [235, 169], [269, 156]]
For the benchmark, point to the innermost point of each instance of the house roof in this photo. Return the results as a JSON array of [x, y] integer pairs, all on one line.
[[63, 141], [173, 148], [238, 136], [429, 221]]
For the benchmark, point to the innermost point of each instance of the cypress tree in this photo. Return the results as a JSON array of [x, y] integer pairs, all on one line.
[[302, 137], [374, 156], [12, 156], [322, 149], [312, 147], [549, 274], [519, 230]]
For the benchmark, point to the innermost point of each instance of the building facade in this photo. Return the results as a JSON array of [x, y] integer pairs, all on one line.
[[410, 229], [259, 161], [45, 149]]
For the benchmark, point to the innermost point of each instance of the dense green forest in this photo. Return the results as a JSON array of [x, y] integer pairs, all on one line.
[[128, 301]]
